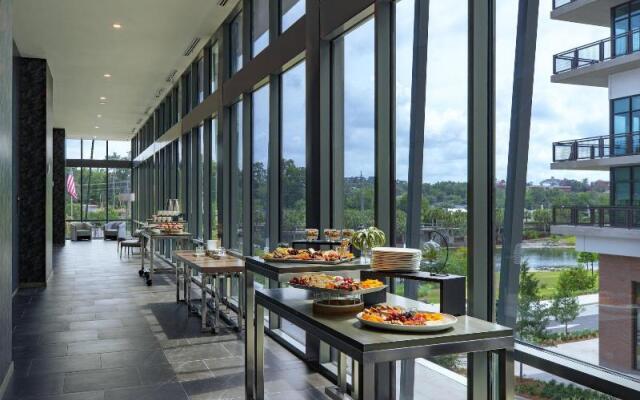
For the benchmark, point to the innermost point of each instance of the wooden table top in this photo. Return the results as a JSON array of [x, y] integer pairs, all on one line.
[[208, 265]]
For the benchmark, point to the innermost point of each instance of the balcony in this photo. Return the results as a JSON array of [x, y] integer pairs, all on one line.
[[592, 12], [593, 63], [604, 230], [597, 153]]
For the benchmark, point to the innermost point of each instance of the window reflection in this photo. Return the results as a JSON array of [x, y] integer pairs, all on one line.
[[237, 177], [259, 26], [290, 12], [235, 30]]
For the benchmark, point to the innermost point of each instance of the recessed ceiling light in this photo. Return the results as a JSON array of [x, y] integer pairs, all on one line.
[[95, 137], [117, 26], [99, 115], [107, 75], [97, 127], [102, 103], [102, 98]]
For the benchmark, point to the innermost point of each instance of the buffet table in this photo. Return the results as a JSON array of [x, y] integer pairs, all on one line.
[[281, 273], [211, 271], [376, 350], [151, 237]]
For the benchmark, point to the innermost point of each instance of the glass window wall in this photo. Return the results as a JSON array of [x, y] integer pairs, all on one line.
[[290, 12], [237, 177], [293, 163], [235, 31], [260, 163], [214, 67], [259, 26], [216, 228]]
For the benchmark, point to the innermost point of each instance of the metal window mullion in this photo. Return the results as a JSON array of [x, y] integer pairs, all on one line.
[[327, 177], [481, 176], [246, 31], [247, 175], [274, 165], [385, 121], [312, 120], [526, 39], [337, 130]]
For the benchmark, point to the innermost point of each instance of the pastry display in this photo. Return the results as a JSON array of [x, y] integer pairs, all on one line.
[[324, 281], [388, 317], [306, 255]]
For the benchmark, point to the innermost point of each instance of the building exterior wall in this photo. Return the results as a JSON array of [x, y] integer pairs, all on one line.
[[624, 84], [616, 320]]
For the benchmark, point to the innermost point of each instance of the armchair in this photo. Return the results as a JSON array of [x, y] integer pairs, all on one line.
[[113, 230], [81, 230]]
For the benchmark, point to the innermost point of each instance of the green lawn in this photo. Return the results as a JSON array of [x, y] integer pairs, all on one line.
[[430, 293]]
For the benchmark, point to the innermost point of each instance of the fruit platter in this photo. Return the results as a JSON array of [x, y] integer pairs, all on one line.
[[307, 256], [336, 285], [396, 318]]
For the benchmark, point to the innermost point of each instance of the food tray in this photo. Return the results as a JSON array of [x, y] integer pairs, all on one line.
[[446, 323], [312, 262], [338, 291]]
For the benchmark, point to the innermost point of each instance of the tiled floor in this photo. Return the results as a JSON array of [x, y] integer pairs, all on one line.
[[97, 333]]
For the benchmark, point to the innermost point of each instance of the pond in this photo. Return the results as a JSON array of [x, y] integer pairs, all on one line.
[[548, 257]]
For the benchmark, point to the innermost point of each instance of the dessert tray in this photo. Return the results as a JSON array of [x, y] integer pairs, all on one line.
[[307, 256], [395, 318]]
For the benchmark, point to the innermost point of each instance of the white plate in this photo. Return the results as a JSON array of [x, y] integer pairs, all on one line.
[[447, 322]]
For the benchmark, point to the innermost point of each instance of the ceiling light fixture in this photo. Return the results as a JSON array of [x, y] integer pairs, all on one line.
[[102, 103], [97, 127], [117, 26], [102, 98], [107, 75], [99, 115]]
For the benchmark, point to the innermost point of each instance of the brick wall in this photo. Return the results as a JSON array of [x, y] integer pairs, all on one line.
[[616, 320]]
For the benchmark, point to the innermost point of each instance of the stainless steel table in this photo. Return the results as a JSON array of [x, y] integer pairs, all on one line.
[[372, 348], [179, 238], [211, 271], [280, 273]]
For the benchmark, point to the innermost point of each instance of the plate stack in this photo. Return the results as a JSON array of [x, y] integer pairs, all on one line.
[[395, 259]]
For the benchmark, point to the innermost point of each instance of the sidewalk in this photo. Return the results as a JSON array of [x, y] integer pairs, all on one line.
[[585, 300]]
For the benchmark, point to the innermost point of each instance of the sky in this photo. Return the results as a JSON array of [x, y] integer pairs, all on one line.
[[559, 111]]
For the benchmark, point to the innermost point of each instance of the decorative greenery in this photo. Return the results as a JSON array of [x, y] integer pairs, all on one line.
[[588, 259], [565, 306], [533, 315], [368, 238], [552, 390], [554, 339]]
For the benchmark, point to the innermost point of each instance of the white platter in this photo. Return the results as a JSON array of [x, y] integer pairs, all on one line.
[[447, 322]]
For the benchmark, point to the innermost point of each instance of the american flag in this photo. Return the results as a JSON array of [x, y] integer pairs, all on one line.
[[71, 187]]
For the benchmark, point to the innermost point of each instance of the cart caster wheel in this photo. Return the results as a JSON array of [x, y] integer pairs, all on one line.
[[141, 272], [149, 282]]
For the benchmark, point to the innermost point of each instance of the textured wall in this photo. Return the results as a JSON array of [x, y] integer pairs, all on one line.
[[58, 186], [36, 170], [6, 185], [616, 317]]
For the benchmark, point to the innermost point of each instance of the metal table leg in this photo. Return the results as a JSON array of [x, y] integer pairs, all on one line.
[[186, 283], [151, 251], [142, 248], [203, 299], [241, 306], [366, 381], [216, 302], [506, 375], [250, 336], [259, 352], [178, 269]]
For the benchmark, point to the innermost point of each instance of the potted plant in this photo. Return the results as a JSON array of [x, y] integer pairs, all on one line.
[[366, 239]]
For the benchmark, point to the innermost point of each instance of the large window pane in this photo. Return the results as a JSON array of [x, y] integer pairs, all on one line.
[[73, 149], [119, 189], [214, 67], [94, 193], [260, 162], [357, 49], [94, 149], [293, 163], [290, 12], [259, 26], [200, 194], [235, 58], [200, 82], [119, 150], [216, 229], [236, 177]]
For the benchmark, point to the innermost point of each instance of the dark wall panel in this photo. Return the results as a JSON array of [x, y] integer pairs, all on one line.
[[59, 156], [6, 184], [16, 175], [35, 164]]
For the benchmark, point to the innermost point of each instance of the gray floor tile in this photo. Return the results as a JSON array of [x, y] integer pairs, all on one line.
[[64, 364], [101, 379], [141, 359], [171, 391]]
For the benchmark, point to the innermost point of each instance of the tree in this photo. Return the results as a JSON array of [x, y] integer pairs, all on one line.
[[565, 306], [542, 216], [533, 315], [587, 258]]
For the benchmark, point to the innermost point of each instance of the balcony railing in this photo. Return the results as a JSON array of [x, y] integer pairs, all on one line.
[[610, 216], [622, 144], [560, 3], [593, 53]]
